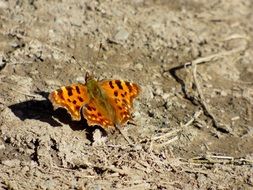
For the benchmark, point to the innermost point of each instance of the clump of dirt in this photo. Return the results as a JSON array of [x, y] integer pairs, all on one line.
[[193, 61]]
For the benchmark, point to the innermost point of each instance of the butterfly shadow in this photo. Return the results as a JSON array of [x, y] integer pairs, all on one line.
[[42, 110]]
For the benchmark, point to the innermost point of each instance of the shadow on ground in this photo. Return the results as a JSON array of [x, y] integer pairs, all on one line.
[[42, 110]]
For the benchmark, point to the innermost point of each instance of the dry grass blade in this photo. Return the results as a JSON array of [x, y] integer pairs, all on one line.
[[203, 103], [124, 135], [213, 159]]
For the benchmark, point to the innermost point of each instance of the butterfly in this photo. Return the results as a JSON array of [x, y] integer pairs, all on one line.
[[107, 103]]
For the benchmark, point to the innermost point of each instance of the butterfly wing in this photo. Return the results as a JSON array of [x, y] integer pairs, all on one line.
[[120, 95], [96, 115], [72, 98]]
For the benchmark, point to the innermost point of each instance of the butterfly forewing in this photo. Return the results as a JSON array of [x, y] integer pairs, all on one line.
[[72, 98], [120, 94]]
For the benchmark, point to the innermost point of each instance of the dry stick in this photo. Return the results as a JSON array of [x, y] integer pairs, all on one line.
[[112, 168], [195, 116], [169, 134], [203, 103], [212, 159], [174, 132], [201, 96], [124, 135], [201, 61], [169, 141], [214, 56]]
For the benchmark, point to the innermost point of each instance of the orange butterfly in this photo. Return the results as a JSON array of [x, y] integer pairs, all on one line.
[[106, 103]]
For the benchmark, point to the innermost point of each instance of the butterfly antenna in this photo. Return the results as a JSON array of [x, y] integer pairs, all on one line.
[[99, 50]]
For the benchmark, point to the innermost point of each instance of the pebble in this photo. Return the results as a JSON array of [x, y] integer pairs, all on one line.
[[223, 93], [147, 92], [98, 138], [3, 4], [11, 163], [165, 96], [158, 91], [121, 35], [2, 62], [139, 66], [2, 146], [52, 82]]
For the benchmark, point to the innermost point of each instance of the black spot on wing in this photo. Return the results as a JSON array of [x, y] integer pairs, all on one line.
[[74, 101], [69, 89], [80, 99], [118, 83], [116, 100], [129, 86], [124, 101], [111, 85], [60, 93], [78, 90], [88, 108], [116, 93]]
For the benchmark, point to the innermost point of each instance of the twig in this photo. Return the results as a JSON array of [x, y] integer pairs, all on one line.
[[213, 159], [203, 103], [112, 168], [169, 134], [195, 116], [237, 36], [194, 63], [168, 141], [213, 57], [172, 133], [124, 135], [196, 171]]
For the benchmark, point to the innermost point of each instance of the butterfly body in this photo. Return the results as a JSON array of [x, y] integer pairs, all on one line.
[[106, 103]]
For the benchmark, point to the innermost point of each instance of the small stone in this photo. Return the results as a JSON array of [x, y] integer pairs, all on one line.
[[2, 62], [53, 83], [2, 146], [25, 169], [11, 163], [80, 79], [168, 105], [121, 35], [91, 46], [139, 66], [223, 93], [151, 113], [165, 96], [98, 138], [3, 5], [158, 91], [147, 92]]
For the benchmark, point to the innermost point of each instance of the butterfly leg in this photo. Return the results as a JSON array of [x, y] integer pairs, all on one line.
[[132, 122]]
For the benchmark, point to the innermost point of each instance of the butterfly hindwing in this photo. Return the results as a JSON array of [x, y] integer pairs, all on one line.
[[72, 98], [96, 116]]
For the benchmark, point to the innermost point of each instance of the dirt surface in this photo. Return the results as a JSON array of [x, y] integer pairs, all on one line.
[[193, 61]]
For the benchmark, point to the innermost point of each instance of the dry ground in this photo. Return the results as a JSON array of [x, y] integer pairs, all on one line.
[[193, 60]]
